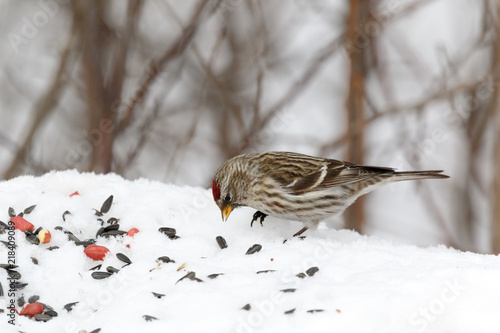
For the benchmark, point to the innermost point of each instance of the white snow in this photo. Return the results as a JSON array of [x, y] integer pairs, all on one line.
[[364, 284]]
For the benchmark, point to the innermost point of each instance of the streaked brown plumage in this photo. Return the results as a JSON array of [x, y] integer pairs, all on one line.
[[299, 187]]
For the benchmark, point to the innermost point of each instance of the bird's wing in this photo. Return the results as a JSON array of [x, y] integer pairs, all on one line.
[[301, 174]]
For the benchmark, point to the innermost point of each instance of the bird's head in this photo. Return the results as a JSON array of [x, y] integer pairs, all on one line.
[[230, 187]]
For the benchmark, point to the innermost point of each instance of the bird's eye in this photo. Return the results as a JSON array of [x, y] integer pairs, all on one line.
[[227, 198]]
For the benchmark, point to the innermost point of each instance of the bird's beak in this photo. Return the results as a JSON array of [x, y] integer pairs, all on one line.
[[226, 211]]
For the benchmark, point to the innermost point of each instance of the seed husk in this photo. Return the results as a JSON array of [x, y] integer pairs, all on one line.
[[97, 330], [21, 301], [213, 276], [11, 245], [64, 215], [73, 238], [254, 248], [288, 290], [266, 271], [149, 318], [170, 232], [96, 267], [165, 259], [52, 248], [221, 242], [301, 275], [18, 285], [13, 274], [113, 233], [4, 225], [191, 276], [12, 212], [313, 270], [68, 307], [33, 299], [113, 220], [99, 232], [42, 317], [158, 295], [37, 230], [8, 266], [112, 227], [51, 313], [246, 307], [86, 242], [112, 270], [290, 311], [34, 260], [315, 310], [1, 290], [123, 258], [29, 209], [32, 239], [107, 205], [101, 275]]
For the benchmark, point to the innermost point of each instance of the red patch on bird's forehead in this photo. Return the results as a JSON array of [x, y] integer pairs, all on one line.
[[215, 191]]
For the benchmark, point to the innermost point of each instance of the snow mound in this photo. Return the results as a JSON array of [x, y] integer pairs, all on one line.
[[364, 284]]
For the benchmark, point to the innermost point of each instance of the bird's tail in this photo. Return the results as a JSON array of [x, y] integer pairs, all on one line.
[[413, 175]]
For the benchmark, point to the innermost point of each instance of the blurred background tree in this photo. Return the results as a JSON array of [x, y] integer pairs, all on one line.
[[168, 90]]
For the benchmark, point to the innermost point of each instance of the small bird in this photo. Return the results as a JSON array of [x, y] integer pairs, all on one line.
[[299, 187]]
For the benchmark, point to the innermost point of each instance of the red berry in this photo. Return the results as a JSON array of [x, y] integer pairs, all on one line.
[[21, 224], [32, 309], [132, 232], [96, 252]]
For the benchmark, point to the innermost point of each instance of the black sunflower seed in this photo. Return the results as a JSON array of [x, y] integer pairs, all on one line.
[[29, 209], [254, 248], [33, 239], [2, 230], [99, 232], [64, 215], [59, 228], [34, 260], [311, 271], [33, 299], [68, 307], [1, 290], [290, 311], [86, 242], [289, 290], [18, 285], [4, 225], [170, 232], [315, 310], [149, 318], [123, 258], [21, 301], [165, 259], [112, 270], [52, 248], [213, 276], [266, 271], [101, 275], [107, 205], [21, 214], [246, 307], [221, 242], [101, 221], [51, 313], [112, 227], [13, 274], [113, 233], [112, 220], [8, 266], [97, 330], [12, 212], [96, 267], [158, 295], [46, 307], [301, 275], [73, 238], [38, 230], [42, 317]]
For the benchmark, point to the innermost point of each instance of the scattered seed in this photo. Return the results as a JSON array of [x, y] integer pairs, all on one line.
[[29, 209], [170, 232], [113, 233], [99, 232], [97, 330], [338, 311], [51, 313], [246, 307], [14, 274], [4, 225], [42, 317], [311, 271], [32, 239], [46, 307], [1, 290], [112, 227], [165, 259], [12, 212], [181, 267], [123, 258], [289, 290], [96, 267], [158, 295], [86, 242], [68, 307], [52, 248], [101, 275], [301, 275], [213, 276], [315, 310], [290, 311], [266, 271], [73, 238], [21, 214], [18, 285], [8, 266], [149, 318], [254, 248], [34, 260], [112, 270], [21, 301], [101, 221], [190, 276], [37, 230], [221, 242], [107, 205], [98, 213], [33, 299], [113, 220], [11, 245], [64, 215]]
